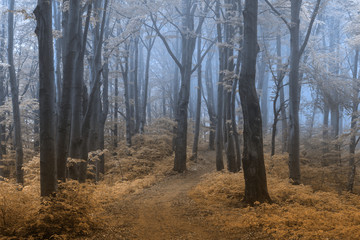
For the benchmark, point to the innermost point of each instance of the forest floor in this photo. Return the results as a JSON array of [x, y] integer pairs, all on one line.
[[165, 210], [141, 197]]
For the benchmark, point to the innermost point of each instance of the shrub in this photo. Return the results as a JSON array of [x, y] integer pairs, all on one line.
[[72, 212]]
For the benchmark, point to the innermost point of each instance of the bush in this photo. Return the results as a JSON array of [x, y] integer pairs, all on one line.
[[72, 212]]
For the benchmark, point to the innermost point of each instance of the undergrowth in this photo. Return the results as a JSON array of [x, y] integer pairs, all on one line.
[[297, 212], [72, 212]]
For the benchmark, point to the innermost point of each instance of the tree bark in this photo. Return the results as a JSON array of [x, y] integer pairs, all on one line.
[[15, 96], [47, 98], [253, 155]]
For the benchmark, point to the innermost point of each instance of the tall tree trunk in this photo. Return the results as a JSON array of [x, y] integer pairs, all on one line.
[[294, 135], [58, 48], [253, 156], [220, 98], [354, 117], [146, 87], [136, 91], [262, 87], [229, 77], [2, 101], [264, 102], [100, 112], [198, 103], [77, 92], [15, 96], [131, 86], [284, 121], [47, 98], [280, 74], [188, 47], [116, 108], [125, 70], [70, 54], [325, 134], [210, 103]]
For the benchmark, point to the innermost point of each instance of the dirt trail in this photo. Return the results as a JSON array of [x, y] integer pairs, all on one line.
[[164, 211]]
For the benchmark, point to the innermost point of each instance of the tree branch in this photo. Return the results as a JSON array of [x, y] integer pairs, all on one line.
[[166, 43], [202, 57], [278, 13], [313, 16]]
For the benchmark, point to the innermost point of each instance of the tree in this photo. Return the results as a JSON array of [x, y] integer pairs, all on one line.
[[188, 37], [220, 91], [253, 155], [48, 180], [210, 102], [148, 45], [294, 94], [15, 96], [354, 120], [198, 102]]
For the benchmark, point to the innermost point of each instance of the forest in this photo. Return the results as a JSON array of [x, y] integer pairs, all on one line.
[[179, 119]]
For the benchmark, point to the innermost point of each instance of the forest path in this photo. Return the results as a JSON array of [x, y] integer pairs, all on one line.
[[164, 211]]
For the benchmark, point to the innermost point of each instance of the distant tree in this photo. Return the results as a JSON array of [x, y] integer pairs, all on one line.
[[296, 52], [2, 101], [354, 121], [219, 141], [188, 37], [198, 102], [15, 96], [210, 101], [148, 44]]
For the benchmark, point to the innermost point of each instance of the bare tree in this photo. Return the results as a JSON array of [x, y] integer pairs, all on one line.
[[294, 87], [188, 36]]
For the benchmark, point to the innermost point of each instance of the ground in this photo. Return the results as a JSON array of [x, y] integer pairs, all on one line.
[[140, 197], [165, 210]]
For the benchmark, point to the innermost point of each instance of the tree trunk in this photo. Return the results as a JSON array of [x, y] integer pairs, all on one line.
[[76, 94], [210, 104], [354, 117], [253, 156], [125, 70], [262, 87], [136, 91], [116, 108], [188, 47], [294, 135], [220, 91], [146, 87], [47, 98], [70, 54], [198, 103], [15, 96], [58, 48], [325, 135], [2, 102]]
